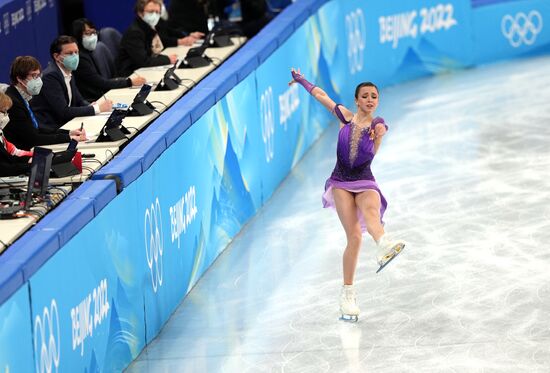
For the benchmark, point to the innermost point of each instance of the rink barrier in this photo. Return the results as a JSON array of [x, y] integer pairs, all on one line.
[[93, 239]]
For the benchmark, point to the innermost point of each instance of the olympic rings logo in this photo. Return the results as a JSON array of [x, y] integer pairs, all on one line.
[[268, 122], [46, 335], [356, 30], [154, 243], [522, 29]]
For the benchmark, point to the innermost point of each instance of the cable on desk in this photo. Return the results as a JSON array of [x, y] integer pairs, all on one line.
[[7, 183], [109, 150], [93, 160], [89, 169], [62, 191], [217, 59], [157, 102]]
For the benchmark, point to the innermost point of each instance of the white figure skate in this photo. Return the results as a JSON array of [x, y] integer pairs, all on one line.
[[387, 251], [348, 304]]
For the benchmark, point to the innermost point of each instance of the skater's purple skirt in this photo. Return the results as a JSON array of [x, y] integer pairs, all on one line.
[[354, 187]]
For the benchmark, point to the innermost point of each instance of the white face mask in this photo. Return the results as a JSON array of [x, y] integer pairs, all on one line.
[[151, 18], [4, 120], [89, 42]]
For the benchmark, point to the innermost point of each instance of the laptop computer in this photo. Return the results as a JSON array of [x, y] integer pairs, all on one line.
[[62, 162]]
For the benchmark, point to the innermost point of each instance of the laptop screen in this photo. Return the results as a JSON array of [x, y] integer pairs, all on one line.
[[39, 177]]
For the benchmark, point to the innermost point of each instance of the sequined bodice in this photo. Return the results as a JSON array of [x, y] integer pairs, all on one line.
[[355, 152]]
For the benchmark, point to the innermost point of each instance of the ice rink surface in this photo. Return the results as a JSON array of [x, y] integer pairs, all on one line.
[[465, 168]]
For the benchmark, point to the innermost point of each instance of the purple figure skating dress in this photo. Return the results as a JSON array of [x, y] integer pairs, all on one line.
[[354, 155]]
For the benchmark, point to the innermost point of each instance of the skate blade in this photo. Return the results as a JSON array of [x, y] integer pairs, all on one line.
[[397, 252], [349, 318]]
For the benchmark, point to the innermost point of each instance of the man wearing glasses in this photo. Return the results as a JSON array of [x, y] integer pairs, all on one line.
[[24, 129]]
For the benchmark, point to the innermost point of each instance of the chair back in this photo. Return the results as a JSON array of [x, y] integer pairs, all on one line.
[[104, 60], [111, 37]]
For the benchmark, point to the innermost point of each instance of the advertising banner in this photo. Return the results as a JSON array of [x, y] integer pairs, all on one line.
[[87, 300], [16, 351], [45, 21], [16, 33], [510, 29], [288, 126], [390, 42]]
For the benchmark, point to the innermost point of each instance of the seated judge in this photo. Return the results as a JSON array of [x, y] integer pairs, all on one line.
[[141, 45], [13, 161], [172, 36], [60, 100], [96, 71], [23, 129]]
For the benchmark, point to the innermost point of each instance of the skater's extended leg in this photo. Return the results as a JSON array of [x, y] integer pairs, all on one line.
[[347, 212], [369, 204]]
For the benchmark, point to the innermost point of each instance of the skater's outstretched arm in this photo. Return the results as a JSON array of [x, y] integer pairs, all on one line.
[[319, 95]]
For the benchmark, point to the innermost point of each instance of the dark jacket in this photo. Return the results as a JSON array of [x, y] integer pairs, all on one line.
[[187, 15], [96, 73], [20, 130], [135, 49], [51, 106], [11, 165], [169, 35]]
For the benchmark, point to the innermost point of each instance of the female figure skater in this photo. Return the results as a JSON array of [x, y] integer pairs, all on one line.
[[351, 188]]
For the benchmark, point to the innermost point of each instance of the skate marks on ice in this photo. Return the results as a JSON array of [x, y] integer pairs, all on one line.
[[466, 171]]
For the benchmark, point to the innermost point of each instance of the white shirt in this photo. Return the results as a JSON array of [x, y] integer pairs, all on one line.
[[68, 76]]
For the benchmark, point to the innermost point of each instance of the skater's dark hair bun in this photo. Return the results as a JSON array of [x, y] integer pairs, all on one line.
[[364, 84]]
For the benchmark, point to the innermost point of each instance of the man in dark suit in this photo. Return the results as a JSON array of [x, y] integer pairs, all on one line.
[[60, 100], [23, 129], [141, 45]]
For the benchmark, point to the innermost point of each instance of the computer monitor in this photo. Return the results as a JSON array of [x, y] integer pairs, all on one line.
[[113, 130], [40, 174], [141, 96], [196, 57], [170, 80], [140, 105]]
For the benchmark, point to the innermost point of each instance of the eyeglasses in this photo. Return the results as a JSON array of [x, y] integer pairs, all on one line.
[[89, 33], [34, 76]]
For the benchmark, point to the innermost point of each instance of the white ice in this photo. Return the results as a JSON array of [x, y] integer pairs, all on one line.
[[465, 168]]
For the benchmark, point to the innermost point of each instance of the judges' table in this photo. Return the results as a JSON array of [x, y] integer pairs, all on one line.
[[99, 153], [12, 229]]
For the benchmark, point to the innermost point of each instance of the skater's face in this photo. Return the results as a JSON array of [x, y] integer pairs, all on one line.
[[367, 99]]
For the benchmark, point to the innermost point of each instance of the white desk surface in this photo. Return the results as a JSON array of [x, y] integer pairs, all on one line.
[[94, 124], [12, 229]]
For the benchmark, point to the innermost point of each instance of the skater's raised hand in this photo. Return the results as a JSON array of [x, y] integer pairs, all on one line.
[[296, 75]]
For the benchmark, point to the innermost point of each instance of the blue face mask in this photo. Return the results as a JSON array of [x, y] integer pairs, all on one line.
[[71, 62], [89, 42], [34, 86]]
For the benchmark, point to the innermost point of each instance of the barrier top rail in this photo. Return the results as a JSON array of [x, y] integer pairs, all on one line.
[[37, 245]]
